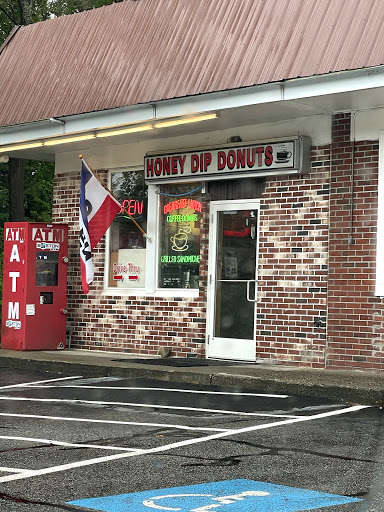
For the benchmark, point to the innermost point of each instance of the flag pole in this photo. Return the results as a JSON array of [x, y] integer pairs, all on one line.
[[123, 208]]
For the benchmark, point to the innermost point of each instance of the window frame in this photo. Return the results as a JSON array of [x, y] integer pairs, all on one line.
[[152, 251]]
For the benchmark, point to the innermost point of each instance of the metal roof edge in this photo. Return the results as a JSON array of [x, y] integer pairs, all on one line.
[[9, 37], [287, 90]]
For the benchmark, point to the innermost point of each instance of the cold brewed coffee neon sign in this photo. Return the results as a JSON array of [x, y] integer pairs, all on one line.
[[182, 203]]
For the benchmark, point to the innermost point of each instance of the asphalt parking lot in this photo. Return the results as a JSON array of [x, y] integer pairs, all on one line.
[[116, 444]]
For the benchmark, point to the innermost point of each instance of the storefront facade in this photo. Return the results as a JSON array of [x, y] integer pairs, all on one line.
[[261, 199], [259, 267]]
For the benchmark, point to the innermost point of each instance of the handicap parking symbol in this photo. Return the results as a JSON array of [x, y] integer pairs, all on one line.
[[226, 496]]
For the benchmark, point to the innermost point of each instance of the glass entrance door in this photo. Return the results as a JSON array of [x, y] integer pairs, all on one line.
[[232, 280]]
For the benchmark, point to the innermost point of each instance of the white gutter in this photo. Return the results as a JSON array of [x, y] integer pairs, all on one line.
[[290, 90]]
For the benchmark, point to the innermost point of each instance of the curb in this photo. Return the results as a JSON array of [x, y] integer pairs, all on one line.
[[293, 383]]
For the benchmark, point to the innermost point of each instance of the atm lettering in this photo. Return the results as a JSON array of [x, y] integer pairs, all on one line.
[[58, 235], [38, 235], [14, 254], [14, 276], [14, 234], [47, 234], [13, 311]]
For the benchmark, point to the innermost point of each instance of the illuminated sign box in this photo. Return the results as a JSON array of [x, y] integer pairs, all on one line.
[[180, 242], [276, 157]]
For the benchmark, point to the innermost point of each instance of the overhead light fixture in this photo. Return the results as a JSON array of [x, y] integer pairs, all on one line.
[[186, 120], [108, 133], [21, 146], [132, 129], [53, 142]]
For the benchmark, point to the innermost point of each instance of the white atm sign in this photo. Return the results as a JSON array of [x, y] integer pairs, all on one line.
[[47, 234]]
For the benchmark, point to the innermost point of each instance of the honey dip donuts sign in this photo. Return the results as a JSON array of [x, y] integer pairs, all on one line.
[[289, 156]]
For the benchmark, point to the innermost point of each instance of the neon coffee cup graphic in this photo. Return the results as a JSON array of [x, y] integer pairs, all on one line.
[[283, 154], [180, 239]]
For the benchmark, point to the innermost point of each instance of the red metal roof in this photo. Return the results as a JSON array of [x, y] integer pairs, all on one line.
[[139, 51]]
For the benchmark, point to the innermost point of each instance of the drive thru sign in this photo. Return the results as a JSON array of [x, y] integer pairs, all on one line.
[[227, 496]]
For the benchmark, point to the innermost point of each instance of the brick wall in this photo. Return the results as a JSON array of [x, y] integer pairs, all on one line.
[[292, 280], [316, 303], [355, 315], [139, 325], [293, 266]]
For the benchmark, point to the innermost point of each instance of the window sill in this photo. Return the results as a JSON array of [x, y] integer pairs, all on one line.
[[161, 293]]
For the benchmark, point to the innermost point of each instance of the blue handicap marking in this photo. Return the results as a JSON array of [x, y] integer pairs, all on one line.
[[227, 496]]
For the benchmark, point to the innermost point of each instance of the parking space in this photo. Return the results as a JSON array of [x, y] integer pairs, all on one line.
[[112, 444]]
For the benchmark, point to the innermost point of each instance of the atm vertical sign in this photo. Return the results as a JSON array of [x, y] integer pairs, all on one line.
[[14, 282]]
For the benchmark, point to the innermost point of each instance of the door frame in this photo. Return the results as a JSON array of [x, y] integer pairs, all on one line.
[[226, 344]]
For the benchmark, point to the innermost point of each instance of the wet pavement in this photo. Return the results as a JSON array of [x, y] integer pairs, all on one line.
[[345, 385], [67, 438]]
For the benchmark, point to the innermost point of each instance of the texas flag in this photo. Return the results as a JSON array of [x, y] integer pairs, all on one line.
[[98, 208]]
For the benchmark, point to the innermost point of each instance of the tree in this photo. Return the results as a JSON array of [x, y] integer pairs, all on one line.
[[26, 186], [12, 13], [61, 7], [24, 12], [21, 12], [16, 169], [37, 195]]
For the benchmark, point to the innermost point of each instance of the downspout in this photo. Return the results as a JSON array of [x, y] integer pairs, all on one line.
[[329, 238], [351, 239]]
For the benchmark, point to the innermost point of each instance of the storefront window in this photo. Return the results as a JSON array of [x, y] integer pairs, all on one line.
[[179, 236], [127, 246]]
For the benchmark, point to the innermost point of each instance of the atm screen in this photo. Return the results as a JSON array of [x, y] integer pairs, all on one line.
[[46, 268]]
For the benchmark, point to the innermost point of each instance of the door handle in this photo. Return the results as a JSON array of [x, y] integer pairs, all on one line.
[[248, 287]]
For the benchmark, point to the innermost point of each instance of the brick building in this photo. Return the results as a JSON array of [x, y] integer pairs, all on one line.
[[250, 153]]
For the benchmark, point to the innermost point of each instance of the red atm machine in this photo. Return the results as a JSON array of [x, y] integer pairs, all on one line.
[[34, 286]]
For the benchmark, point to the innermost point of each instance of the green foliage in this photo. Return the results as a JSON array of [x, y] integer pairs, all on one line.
[[38, 188], [38, 178], [61, 7], [38, 191], [21, 12], [24, 12], [3, 193]]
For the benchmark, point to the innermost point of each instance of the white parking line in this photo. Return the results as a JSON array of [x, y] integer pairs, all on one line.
[[11, 470], [71, 445], [151, 406], [179, 444], [115, 422], [172, 390], [26, 384]]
